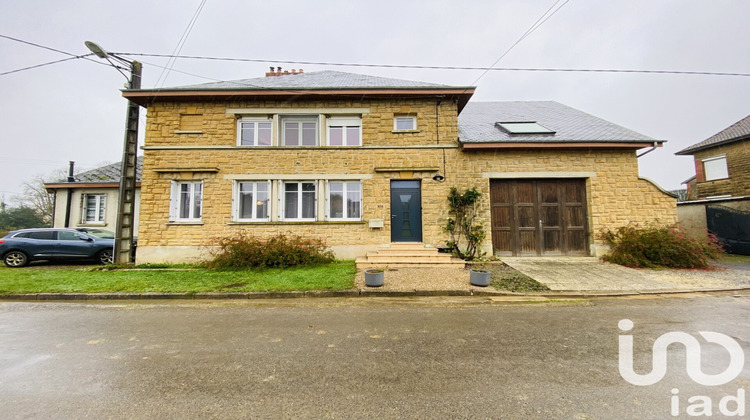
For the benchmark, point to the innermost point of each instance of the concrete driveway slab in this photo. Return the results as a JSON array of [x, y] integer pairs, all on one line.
[[591, 274]]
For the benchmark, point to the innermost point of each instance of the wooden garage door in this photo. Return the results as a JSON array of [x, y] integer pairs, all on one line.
[[539, 217]]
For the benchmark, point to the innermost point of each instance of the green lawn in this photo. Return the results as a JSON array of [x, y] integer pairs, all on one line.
[[56, 279]]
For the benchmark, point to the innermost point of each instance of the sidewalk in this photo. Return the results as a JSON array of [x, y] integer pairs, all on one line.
[[567, 277], [590, 274]]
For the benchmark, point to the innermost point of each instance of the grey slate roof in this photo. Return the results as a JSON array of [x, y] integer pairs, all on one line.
[[476, 124], [736, 131], [109, 174], [312, 80]]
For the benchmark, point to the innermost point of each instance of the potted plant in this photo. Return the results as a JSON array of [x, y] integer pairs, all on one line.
[[374, 277], [479, 277]]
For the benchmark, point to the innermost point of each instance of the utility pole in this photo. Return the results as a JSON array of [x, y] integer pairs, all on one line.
[[126, 206]]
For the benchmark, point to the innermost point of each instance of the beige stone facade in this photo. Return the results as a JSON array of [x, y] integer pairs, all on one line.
[[737, 184], [197, 141]]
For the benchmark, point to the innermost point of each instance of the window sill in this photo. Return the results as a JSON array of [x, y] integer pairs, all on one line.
[[317, 222], [92, 224], [405, 131], [188, 132], [185, 223]]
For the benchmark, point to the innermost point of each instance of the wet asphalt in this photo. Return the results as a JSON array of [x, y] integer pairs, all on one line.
[[355, 358]]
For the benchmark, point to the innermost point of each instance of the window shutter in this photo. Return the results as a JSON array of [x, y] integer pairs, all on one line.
[[327, 198], [174, 201], [104, 208], [83, 208]]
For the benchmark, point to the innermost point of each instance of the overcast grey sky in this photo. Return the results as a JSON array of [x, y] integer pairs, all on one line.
[[73, 110]]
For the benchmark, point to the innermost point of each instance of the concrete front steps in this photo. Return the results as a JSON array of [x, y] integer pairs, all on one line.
[[408, 254]]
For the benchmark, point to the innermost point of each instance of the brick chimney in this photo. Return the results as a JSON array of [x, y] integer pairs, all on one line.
[[277, 72]]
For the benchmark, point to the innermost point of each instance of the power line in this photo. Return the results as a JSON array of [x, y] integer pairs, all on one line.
[[50, 48], [531, 29], [40, 65], [181, 43], [425, 67]]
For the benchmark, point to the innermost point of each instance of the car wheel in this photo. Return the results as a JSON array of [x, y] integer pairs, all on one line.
[[105, 257], [15, 259]]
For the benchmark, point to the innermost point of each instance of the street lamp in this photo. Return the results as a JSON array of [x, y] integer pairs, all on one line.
[[126, 204]]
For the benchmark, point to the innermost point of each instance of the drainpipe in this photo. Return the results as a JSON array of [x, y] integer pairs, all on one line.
[[54, 208], [656, 144], [71, 178]]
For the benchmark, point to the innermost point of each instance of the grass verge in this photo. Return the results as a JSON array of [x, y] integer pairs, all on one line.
[[507, 278], [335, 276]]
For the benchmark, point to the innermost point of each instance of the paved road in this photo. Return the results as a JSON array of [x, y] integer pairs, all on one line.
[[363, 358]]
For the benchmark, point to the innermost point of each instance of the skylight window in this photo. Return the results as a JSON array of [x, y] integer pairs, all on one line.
[[526, 127]]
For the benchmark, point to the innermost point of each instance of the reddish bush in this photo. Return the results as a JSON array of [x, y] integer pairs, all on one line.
[[655, 246], [281, 251]]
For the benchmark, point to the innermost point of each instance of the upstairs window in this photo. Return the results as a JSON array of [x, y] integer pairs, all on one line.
[[404, 123], [254, 132], [299, 131], [253, 201], [299, 200], [93, 208], [344, 131], [716, 168], [187, 201]]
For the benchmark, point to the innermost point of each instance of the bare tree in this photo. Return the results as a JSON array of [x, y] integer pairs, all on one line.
[[36, 197]]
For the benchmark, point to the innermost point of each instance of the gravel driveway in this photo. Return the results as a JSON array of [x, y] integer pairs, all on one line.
[[570, 274]]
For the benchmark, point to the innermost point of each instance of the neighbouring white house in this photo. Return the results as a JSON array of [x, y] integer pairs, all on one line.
[[90, 199]]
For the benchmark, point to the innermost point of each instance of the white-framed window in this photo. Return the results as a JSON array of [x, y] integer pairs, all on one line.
[[299, 131], [93, 208], [252, 201], [715, 167], [187, 201], [345, 200], [404, 123], [253, 131], [299, 200], [344, 131]]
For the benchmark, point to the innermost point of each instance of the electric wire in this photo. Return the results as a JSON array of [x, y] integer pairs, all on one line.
[[426, 67], [40, 65], [85, 56], [180, 44], [539, 22]]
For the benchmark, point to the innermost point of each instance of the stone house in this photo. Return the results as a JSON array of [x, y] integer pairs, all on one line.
[[722, 164], [367, 164], [89, 199], [719, 193]]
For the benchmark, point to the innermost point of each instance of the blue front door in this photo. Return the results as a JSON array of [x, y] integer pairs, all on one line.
[[406, 211]]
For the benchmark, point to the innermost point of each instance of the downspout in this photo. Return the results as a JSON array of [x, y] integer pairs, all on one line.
[[71, 178], [438, 177], [54, 208], [656, 144]]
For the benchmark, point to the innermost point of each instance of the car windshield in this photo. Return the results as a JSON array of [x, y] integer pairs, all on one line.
[[101, 233]]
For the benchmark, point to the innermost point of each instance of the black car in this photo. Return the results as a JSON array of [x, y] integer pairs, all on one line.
[[20, 247]]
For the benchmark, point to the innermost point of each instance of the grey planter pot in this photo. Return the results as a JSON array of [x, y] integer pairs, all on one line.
[[374, 278], [479, 277]]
